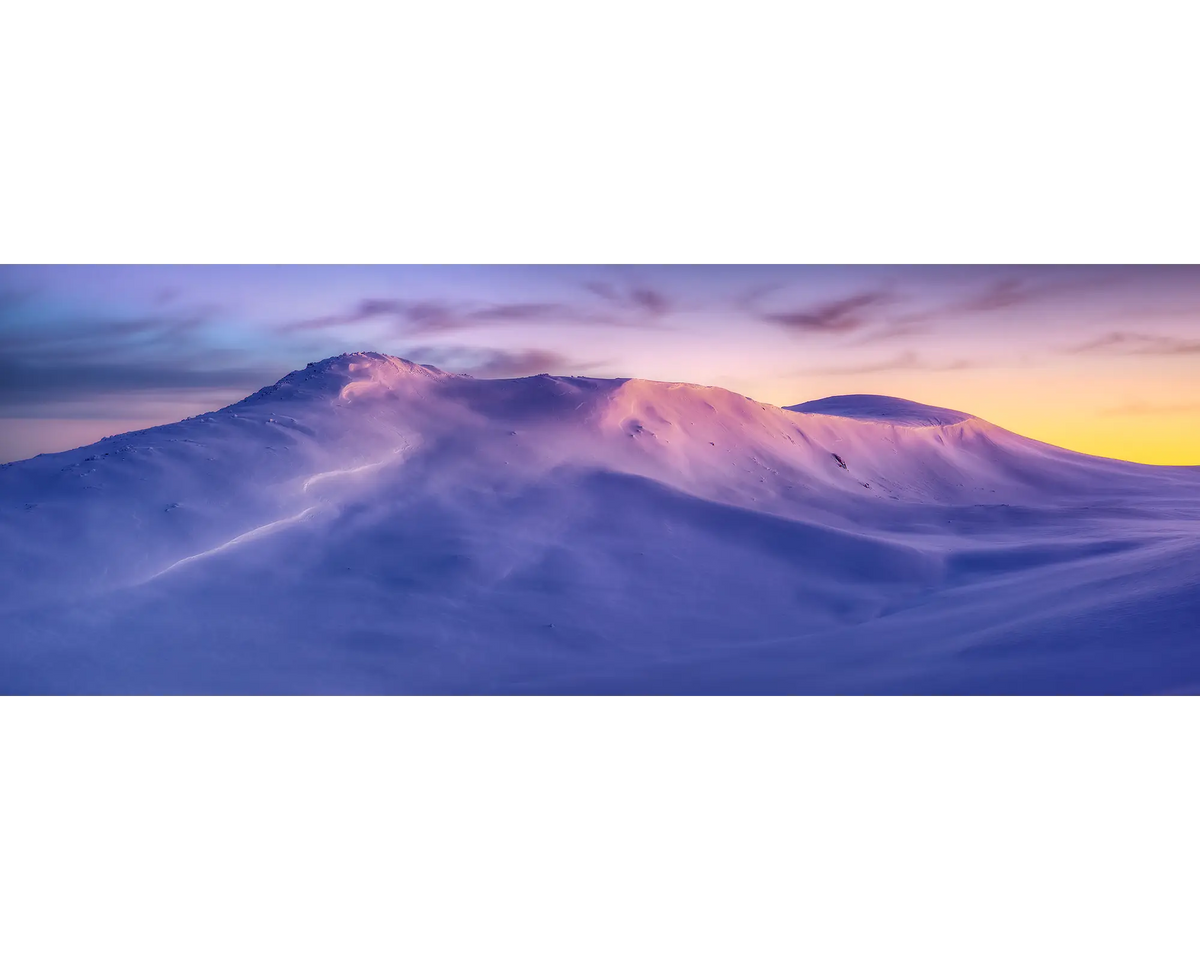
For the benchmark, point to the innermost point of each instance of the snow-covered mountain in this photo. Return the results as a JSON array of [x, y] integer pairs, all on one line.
[[370, 525]]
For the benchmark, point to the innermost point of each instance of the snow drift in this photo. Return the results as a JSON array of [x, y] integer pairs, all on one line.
[[370, 525]]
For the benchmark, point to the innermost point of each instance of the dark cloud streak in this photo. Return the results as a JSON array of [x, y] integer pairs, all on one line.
[[636, 298], [520, 363], [24, 382], [518, 311], [1000, 294], [1009, 292], [634, 306], [876, 312], [881, 312], [82, 359], [1146, 344], [833, 316], [492, 363]]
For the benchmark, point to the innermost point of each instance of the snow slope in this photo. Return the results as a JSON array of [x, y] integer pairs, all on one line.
[[369, 525]]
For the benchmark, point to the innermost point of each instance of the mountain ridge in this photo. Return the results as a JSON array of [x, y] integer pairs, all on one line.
[[375, 525]]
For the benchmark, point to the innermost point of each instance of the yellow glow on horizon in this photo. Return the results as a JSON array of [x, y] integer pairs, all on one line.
[[1172, 440], [1152, 418]]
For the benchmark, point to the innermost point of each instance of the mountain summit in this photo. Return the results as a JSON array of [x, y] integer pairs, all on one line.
[[369, 524]]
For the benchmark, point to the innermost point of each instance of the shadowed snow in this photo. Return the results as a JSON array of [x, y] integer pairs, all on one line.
[[373, 525]]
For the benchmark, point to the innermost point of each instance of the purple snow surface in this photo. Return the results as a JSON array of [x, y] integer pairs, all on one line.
[[368, 525]]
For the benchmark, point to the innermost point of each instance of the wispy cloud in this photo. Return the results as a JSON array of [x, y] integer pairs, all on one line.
[[80, 359], [1001, 294], [637, 298], [1149, 409], [1138, 343], [1026, 286], [493, 363], [900, 327], [522, 363], [518, 311], [89, 336], [409, 317], [886, 312], [875, 313], [908, 360], [831, 316]]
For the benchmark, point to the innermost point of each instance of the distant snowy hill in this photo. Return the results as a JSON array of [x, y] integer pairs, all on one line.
[[889, 409], [370, 525]]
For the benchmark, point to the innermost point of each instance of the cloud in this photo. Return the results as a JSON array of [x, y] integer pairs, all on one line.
[[493, 363], [832, 316], [1150, 344], [23, 381], [88, 336], [518, 311], [406, 317], [1001, 294], [62, 362], [79, 360], [1016, 290], [520, 363], [1149, 409], [904, 361], [877, 313], [883, 312], [638, 298], [911, 325]]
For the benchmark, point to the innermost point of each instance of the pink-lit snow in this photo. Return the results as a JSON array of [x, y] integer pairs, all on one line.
[[369, 525]]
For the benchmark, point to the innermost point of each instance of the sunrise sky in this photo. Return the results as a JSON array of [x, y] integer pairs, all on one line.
[[1105, 360]]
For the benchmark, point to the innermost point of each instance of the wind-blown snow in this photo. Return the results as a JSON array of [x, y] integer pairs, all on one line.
[[372, 525]]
